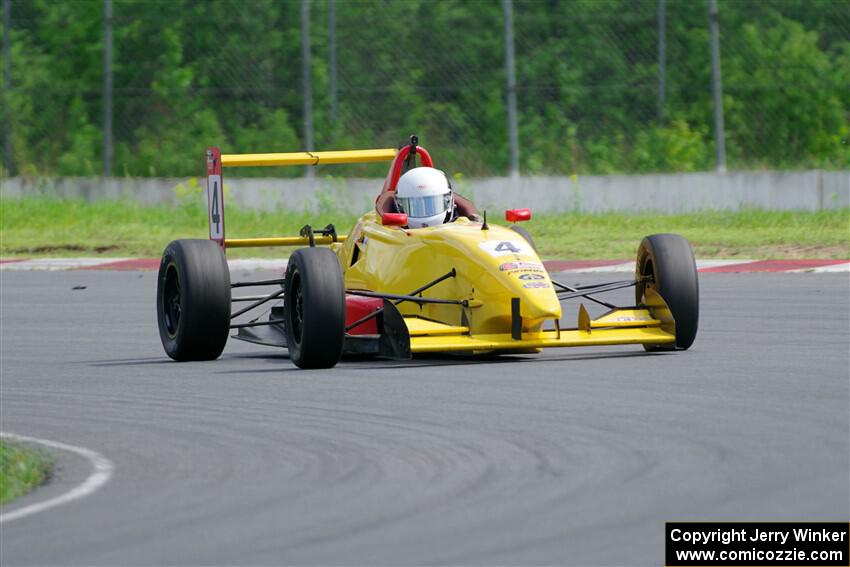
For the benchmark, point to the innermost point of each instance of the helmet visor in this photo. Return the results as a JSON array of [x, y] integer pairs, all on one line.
[[425, 206]]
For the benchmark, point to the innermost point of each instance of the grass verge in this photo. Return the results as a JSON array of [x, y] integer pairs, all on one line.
[[40, 227], [21, 470]]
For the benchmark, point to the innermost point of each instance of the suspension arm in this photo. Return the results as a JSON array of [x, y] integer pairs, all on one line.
[[257, 303], [402, 298]]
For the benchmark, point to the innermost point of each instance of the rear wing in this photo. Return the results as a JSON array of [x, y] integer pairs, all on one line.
[[215, 187]]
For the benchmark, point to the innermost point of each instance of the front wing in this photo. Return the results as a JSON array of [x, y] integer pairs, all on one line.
[[617, 327]]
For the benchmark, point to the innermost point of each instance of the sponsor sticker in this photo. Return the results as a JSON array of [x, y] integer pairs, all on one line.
[[504, 247], [532, 277], [536, 285], [511, 266]]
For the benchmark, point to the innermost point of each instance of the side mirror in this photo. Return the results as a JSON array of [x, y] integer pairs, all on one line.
[[517, 215], [394, 219]]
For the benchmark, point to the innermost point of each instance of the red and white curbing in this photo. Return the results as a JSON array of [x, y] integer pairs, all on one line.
[[571, 266]]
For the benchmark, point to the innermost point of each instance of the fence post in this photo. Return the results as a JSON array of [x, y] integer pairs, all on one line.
[[107, 88], [332, 55], [717, 88], [662, 57], [510, 67], [7, 87], [307, 85]]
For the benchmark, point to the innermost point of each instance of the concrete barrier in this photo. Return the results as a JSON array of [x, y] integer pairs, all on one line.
[[673, 193]]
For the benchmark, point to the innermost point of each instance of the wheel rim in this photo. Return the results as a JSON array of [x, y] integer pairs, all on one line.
[[296, 314], [647, 270], [171, 307]]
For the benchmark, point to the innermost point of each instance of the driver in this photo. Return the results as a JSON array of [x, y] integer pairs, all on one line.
[[424, 194]]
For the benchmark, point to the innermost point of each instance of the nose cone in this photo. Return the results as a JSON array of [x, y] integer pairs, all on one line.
[[528, 280], [510, 267]]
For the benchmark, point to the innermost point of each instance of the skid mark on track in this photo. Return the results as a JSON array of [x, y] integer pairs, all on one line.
[[101, 473]]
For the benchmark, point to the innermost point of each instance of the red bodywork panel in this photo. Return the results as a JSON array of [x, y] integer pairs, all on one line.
[[394, 219], [357, 307]]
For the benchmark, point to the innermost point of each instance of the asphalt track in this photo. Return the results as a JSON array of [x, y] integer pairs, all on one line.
[[569, 457]]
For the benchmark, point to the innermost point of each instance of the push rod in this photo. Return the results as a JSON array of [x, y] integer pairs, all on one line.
[[257, 283], [609, 287], [587, 295], [257, 303], [419, 290], [603, 288], [413, 298], [444, 277], [598, 285]]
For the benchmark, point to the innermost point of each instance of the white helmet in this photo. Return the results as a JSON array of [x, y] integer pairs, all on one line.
[[424, 194]]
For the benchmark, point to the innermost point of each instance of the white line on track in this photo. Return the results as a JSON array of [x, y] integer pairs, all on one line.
[[834, 268], [100, 475]]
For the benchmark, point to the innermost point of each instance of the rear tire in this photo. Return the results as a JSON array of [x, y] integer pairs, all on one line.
[[193, 300], [314, 308], [669, 259]]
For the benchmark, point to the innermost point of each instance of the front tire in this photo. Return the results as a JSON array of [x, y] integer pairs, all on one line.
[[669, 260], [524, 233], [193, 300], [314, 308]]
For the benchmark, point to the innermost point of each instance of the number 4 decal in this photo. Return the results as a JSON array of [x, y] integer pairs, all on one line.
[[216, 217], [504, 247], [216, 202]]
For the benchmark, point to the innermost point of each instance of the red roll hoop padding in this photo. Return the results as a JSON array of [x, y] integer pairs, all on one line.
[[384, 198], [395, 169]]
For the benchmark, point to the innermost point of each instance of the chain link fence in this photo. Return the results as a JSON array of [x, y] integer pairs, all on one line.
[[599, 88]]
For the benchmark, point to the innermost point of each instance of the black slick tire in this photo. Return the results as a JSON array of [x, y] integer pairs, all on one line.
[[193, 300], [669, 259], [314, 308], [524, 233]]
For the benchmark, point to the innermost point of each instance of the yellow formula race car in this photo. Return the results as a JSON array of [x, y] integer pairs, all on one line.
[[464, 285]]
